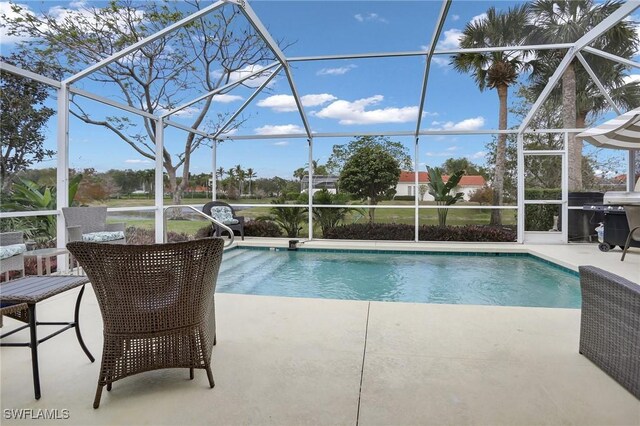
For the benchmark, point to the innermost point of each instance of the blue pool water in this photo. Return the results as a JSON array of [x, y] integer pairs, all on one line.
[[473, 280]]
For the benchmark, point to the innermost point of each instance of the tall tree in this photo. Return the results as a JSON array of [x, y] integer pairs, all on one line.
[[370, 173], [452, 165], [23, 118], [342, 153], [495, 70], [251, 175], [565, 21], [198, 58], [240, 175]]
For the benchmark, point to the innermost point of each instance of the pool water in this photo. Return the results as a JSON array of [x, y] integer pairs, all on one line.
[[456, 279]]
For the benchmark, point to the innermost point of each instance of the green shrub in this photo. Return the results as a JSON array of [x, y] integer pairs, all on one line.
[[262, 228], [540, 217], [139, 236], [404, 198], [405, 232], [292, 196]]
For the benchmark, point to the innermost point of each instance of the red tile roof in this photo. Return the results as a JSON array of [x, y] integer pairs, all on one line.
[[423, 177]]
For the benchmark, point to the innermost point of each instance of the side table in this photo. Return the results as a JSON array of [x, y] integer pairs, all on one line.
[[46, 254], [34, 289]]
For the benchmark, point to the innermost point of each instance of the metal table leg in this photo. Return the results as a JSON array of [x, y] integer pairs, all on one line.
[[33, 344], [77, 325]]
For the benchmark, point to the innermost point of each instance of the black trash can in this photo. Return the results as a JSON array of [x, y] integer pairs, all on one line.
[[582, 223]]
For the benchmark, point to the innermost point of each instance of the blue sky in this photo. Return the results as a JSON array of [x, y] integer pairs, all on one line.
[[363, 95]]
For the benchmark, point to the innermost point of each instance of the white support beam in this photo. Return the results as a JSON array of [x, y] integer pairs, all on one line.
[[112, 103], [611, 57], [416, 194], [159, 182], [554, 46], [520, 189], [62, 167], [28, 74], [247, 102], [618, 15], [399, 133], [597, 81], [631, 169], [186, 128], [214, 168], [432, 46], [564, 176], [410, 53], [220, 89], [150, 39], [310, 189], [266, 37]]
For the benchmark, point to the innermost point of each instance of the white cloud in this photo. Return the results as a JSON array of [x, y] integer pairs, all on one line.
[[287, 103], [467, 124], [631, 78], [451, 39], [243, 72], [477, 155], [5, 9], [284, 129], [281, 143], [370, 17], [476, 19], [138, 161], [355, 112], [77, 12], [455, 17], [441, 61], [336, 71], [446, 153], [225, 99]]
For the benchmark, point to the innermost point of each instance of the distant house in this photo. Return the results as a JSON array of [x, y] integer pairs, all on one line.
[[320, 182], [407, 184]]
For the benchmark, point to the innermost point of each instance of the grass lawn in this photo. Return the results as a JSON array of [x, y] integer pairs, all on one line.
[[382, 215]]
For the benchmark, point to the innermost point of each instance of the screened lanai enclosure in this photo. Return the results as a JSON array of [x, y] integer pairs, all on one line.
[[263, 104]]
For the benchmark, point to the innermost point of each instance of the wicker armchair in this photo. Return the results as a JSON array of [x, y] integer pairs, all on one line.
[[15, 262], [157, 304], [610, 326], [81, 221], [236, 223]]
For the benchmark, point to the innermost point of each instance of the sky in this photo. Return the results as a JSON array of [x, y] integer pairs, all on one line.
[[356, 95]]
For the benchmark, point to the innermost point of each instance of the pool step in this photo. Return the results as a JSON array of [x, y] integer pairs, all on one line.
[[232, 260]]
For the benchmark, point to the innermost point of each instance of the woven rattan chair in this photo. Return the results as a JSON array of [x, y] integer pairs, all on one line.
[[236, 223], [86, 220], [610, 325], [633, 217], [157, 304], [13, 263]]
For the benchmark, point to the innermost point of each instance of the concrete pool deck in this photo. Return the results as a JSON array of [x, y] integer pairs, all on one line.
[[289, 361]]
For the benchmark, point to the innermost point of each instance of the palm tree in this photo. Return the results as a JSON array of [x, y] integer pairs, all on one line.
[[240, 175], [495, 70], [565, 21], [251, 174], [299, 173]]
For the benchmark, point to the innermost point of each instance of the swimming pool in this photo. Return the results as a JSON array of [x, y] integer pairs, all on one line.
[[505, 280]]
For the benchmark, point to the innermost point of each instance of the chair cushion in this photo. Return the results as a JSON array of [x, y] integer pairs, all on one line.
[[11, 250], [223, 214], [101, 237]]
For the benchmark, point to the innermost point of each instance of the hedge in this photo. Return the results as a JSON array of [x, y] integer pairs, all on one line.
[[540, 217], [405, 232]]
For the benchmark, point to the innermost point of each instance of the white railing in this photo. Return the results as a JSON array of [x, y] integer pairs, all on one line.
[[209, 218]]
